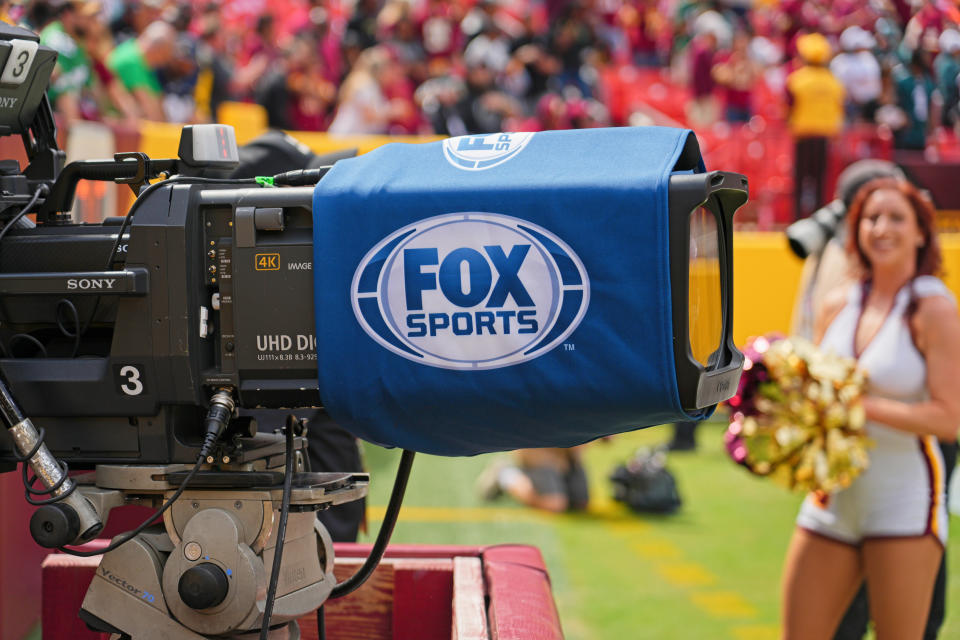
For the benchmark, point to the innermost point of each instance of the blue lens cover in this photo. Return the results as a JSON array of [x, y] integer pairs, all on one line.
[[499, 291]]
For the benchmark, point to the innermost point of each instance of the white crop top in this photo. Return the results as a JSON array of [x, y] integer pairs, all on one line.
[[896, 369]]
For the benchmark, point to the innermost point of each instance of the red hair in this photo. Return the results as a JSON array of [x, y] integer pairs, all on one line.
[[929, 257]]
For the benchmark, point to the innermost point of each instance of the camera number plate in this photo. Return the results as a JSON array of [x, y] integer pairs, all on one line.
[[129, 379], [17, 68]]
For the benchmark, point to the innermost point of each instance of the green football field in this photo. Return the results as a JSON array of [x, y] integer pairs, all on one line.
[[712, 570]]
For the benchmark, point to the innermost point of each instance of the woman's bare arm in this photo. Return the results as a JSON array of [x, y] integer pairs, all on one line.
[[937, 331]]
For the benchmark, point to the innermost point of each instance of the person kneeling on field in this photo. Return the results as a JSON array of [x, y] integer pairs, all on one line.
[[549, 479]]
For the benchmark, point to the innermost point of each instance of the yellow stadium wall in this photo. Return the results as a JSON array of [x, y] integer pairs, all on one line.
[[766, 276], [161, 139], [765, 279], [765, 273]]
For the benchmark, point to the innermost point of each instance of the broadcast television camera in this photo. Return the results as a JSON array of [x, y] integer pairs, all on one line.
[[128, 346]]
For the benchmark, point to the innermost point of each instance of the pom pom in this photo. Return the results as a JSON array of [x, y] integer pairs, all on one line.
[[798, 416]]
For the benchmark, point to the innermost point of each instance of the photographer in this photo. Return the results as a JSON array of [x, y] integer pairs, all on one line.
[[819, 241]]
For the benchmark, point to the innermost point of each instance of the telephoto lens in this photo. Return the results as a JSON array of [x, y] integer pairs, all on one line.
[[810, 235]]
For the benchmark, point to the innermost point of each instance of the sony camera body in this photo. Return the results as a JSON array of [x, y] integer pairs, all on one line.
[[149, 336]]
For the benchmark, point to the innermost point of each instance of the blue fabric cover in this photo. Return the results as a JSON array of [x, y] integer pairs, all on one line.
[[601, 192]]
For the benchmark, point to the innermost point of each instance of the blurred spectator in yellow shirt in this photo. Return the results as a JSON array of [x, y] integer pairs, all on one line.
[[816, 115]]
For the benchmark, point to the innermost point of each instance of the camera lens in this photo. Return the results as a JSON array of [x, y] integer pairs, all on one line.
[[706, 307], [810, 235]]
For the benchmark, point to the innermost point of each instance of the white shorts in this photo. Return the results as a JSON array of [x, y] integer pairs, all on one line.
[[901, 494]]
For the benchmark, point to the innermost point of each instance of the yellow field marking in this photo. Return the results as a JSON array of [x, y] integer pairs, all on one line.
[[668, 560], [464, 514], [627, 529], [604, 506], [757, 632], [723, 604], [686, 574], [657, 550]]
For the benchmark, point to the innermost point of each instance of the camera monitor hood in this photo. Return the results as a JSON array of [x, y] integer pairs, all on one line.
[[518, 290]]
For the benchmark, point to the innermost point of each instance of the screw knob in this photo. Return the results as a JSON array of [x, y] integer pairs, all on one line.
[[54, 525], [203, 586]]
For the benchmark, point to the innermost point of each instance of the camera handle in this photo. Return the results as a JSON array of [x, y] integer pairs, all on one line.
[[134, 168]]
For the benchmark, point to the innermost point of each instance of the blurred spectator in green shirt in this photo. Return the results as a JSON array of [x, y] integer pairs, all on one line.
[[946, 68], [135, 62], [914, 87], [72, 77]]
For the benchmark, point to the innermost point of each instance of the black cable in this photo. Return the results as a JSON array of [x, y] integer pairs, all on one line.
[[29, 338], [321, 625], [42, 190], [352, 583], [141, 197], [146, 523], [202, 180], [12, 416], [28, 480], [126, 220], [75, 334], [153, 187], [281, 533], [301, 177], [215, 423], [116, 246], [30, 491], [60, 325], [76, 324]]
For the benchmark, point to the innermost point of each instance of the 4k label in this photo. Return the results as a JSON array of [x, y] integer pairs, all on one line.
[[267, 261]]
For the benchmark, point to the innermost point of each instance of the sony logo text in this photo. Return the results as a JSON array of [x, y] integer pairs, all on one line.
[[90, 283], [7, 102]]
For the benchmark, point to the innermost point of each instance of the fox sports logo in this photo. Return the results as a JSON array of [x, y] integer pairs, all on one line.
[[470, 291], [475, 153]]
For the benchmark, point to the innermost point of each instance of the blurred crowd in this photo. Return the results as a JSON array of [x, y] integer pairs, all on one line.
[[467, 66]]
